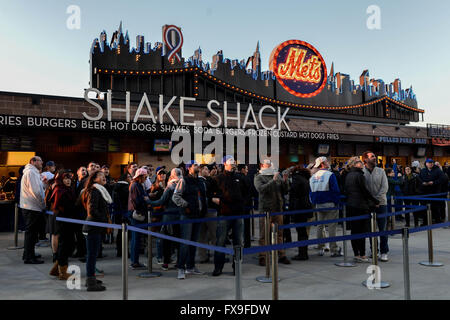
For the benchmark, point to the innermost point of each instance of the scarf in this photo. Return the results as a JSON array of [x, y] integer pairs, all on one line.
[[103, 192]]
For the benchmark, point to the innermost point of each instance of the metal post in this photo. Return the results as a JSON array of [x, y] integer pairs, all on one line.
[[124, 261], [274, 263], [392, 217], [16, 229], [430, 262], [266, 278], [238, 271], [345, 263], [252, 222], [149, 273], [373, 228], [447, 218], [406, 282]]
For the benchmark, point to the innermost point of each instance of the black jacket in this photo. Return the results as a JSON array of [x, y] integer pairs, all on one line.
[[231, 190], [97, 211], [436, 175], [410, 185], [120, 197], [357, 194], [299, 195]]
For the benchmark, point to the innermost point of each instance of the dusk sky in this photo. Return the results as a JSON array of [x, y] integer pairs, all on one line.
[[40, 54]]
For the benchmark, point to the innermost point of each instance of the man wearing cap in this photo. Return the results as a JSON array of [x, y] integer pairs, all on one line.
[[271, 188], [190, 195], [325, 193], [378, 186], [230, 196], [430, 179]]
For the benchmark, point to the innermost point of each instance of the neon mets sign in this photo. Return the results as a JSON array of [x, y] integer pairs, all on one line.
[[299, 68]]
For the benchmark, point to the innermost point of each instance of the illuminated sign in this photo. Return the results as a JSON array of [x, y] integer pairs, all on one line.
[[173, 41], [299, 68], [401, 140]]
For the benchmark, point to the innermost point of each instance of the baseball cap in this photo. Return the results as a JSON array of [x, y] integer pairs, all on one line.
[[50, 164], [429, 160], [190, 163], [159, 168], [140, 172], [105, 166], [228, 160], [319, 161], [161, 171]]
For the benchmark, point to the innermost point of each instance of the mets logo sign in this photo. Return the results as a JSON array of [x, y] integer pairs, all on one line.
[[299, 68]]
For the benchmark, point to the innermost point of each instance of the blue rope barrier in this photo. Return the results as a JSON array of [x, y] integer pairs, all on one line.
[[200, 220], [422, 195], [317, 241], [425, 199], [89, 223], [396, 213], [433, 226], [187, 242]]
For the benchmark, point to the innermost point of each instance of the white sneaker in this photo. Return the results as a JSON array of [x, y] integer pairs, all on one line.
[[194, 271], [181, 274], [321, 252], [384, 257], [327, 248]]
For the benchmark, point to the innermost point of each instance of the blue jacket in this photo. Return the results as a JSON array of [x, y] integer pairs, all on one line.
[[324, 188]]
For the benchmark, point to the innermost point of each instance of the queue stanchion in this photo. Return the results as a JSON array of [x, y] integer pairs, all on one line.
[[406, 279], [392, 202], [266, 278], [377, 273], [238, 253], [150, 273], [345, 263], [430, 262], [274, 263], [124, 261], [252, 222], [16, 229]]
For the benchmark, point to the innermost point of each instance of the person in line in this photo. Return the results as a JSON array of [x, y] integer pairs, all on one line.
[[271, 189], [430, 180], [81, 174], [96, 201], [120, 207], [138, 202], [207, 229], [171, 214], [299, 200], [109, 180], [32, 203], [230, 196], [359, 202], [377, 183], [395, 181], [410, 188], [190, 195], [63, 206], [156, 192], [325, 193], [248, 201]]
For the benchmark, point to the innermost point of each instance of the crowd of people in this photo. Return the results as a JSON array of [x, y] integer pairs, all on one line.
[[194, 190]]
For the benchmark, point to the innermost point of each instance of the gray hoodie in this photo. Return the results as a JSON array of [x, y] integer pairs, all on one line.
[[377, 184]]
